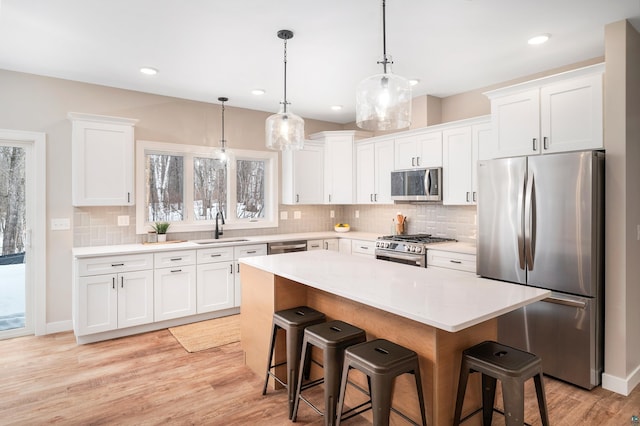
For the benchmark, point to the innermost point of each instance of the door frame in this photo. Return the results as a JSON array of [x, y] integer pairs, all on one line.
[[36, 211]]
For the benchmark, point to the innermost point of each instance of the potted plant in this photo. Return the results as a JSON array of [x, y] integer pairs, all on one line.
[[161, 230]]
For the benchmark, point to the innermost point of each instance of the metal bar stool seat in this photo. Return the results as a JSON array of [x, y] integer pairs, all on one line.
[[293, 322], [332, 337], [381, 361], [513, 368]]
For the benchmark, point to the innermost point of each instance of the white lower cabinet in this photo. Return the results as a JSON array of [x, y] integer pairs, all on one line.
[[174, 287], [363, 248], [329, 244], [215, 283], [451, 260], [108, 301], [238, 253]]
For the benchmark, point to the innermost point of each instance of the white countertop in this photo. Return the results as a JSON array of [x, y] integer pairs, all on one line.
[[80, 252], [446, 299]]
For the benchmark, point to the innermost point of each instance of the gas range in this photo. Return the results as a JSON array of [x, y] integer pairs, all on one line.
[[408, 249]]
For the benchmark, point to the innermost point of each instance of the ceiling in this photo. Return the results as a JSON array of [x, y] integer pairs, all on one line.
[[205, 49]]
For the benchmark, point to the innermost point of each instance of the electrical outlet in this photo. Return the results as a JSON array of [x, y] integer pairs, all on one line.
[[123, 220], [357, 214], [332, 214], [60, 224], [284, 215], [297, 214]]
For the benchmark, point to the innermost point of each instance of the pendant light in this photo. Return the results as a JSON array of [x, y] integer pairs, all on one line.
[[383, 101], [284, 130], [221, 153]]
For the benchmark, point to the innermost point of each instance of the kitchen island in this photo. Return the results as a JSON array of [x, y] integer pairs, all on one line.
[[433, 311]]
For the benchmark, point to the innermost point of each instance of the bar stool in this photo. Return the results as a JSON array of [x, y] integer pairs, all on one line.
[[512, 367], [332, 338], [293, 322], [382, 361]]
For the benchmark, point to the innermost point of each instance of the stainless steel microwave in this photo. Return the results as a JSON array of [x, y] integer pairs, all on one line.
[[417, 184]]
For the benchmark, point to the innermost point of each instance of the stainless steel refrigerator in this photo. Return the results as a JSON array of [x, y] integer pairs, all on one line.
[[541, 223]]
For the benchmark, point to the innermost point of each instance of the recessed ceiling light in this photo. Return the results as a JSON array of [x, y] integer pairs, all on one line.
[[539, 39], [148, 71], [414, 81], [258, 92], [336, 107]]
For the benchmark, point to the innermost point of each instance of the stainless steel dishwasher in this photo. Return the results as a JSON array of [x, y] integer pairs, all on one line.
[[286, 246]]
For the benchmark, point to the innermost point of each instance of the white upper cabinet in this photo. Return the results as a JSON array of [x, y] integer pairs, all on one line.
[[339, 165], [374, 163], [461, 149], [418, 151], [552, 114], [102, 160], [302, 175]]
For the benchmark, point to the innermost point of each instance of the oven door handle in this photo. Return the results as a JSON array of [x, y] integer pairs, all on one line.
[[402, 256]]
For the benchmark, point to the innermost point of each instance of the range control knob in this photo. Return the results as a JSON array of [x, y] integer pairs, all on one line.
[[386, 245], [419, 249], [407, 248]]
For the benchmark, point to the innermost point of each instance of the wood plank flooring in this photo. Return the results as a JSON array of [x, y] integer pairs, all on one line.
[[150, 379]]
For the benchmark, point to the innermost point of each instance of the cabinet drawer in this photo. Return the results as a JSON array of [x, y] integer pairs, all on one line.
[[218, 254], [363, 247], [451, 260], [114, 264], [248, 251], [169, 259]]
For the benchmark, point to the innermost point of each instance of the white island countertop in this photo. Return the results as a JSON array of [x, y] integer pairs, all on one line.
[[442, 298]]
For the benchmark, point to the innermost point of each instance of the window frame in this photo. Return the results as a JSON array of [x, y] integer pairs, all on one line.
[[188, 152]]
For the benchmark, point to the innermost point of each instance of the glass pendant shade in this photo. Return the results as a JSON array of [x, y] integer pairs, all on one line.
[[284, 130], [220, 153], [383, 102]]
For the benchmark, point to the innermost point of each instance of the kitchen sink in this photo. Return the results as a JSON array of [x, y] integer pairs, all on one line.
[[219, 241]]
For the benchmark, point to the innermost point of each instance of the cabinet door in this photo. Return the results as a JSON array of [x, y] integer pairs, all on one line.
[[516, 124], [215, 287], [429, 150], [315, 245], [457, 171], [338, 170], [244, 251], [405, 153], [384, 165], [302, 175], [331, 244], [174, 292], [97, 304], [135, 298], [365, 173], [571, 115], [102, 164]]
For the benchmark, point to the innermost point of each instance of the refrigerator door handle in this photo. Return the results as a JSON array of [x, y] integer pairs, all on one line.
[[521, 217], [559, 300], [530, 222]]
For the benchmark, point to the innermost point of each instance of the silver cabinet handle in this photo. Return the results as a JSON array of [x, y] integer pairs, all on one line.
[[121, 282], [117, 264], [297, 198], [238, 268], [216, 255], [545, 143], [371, 197], [128, 197], [113, 283], [364, 247], [176, 270], [329, 197], [413, 161], [175, 259], [535, 144], [231, 269], [455, 261], [251, 252], [468, 193], [375, 197], [418, 161], [475, 196]]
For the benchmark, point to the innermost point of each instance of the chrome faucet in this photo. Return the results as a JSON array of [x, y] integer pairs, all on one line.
[[218, 230]]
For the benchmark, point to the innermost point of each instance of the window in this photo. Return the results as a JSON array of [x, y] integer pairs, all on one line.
[[185, 185]]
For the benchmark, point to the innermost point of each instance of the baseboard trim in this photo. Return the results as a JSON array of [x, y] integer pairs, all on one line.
[[58, 327], [623, 386]]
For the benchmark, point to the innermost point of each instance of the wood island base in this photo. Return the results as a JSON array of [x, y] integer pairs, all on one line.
[[439, 351]]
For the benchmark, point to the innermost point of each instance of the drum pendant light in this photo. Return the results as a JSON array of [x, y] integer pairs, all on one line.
[[383, 101], [284, 130], [221, 154]]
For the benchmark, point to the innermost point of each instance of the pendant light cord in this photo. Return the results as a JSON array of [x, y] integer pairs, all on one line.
[[385, 60], [285, 75]]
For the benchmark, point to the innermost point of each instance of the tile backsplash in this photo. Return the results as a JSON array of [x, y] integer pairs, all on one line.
[[97, 226]]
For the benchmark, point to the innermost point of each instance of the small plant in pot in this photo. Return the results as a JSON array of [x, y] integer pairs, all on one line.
[[161, 230]]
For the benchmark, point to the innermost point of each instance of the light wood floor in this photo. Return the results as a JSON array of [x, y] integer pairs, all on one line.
[[150, 379]]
